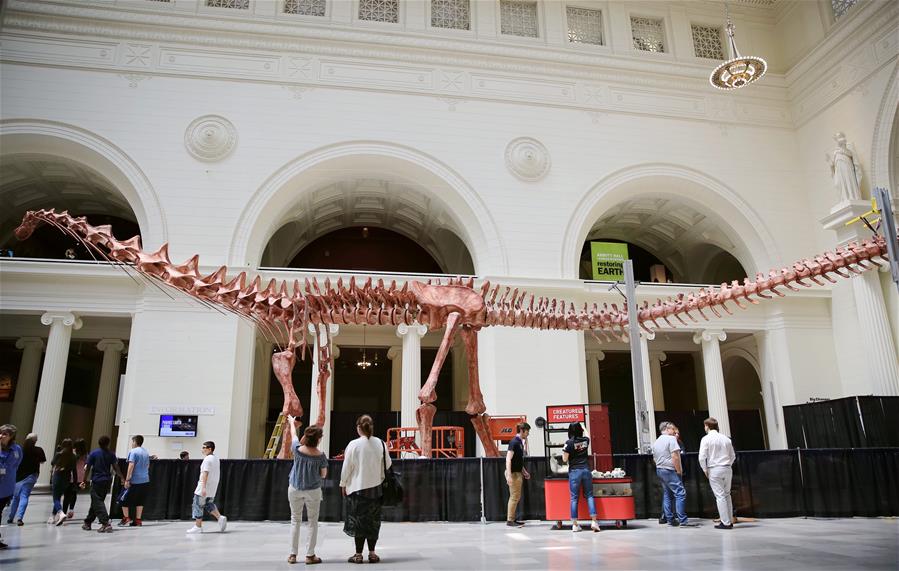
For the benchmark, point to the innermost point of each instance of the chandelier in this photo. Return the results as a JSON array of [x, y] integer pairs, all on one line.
[[739, 71], [363, 363]]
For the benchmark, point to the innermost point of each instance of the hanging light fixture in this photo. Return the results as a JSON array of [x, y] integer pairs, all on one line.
[[739, 71], [363, 363]]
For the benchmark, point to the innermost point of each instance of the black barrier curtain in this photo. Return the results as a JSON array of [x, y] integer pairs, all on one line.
[[343, 427], [852, 422], [777, 483]]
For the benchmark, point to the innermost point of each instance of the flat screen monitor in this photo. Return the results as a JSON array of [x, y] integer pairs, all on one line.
[[177, 425]]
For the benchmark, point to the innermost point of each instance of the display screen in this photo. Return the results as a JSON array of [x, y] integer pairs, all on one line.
[[177, 425]]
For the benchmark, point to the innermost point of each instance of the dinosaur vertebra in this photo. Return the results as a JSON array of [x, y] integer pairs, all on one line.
[[282, 309]]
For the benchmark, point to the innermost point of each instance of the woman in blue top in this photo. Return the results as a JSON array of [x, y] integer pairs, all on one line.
[[310, 466], [10, 458], [576, 455]]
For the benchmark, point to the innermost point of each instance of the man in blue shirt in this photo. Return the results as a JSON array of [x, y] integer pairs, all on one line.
[[10, 458], [137, 482], [98, 469]]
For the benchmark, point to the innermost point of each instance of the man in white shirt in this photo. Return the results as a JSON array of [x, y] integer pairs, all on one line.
[[204, 495], [716, 456]]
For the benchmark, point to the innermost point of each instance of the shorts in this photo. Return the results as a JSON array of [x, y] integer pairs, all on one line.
[[137, 494], [201, 505]]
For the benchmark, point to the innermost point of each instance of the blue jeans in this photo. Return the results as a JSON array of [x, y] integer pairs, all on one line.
[[672, 485], [20, 497], [581, 478], [58, 485]]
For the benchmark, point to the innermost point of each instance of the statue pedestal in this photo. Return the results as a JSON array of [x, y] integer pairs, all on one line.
[[842, 213]]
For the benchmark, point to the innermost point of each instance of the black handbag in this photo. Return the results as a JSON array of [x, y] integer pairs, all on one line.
[[391, 487]]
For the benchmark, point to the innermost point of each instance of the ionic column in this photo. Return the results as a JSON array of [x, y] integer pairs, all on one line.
[[314, 400], [26, 384], [53, 376], [594, 388], [411, 378], [714, 375], [880, 354], [645, 338], [881, 362], [396, 378], [658, 390], [107, 395]]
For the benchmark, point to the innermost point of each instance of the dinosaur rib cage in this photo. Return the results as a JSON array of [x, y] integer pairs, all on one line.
[[290, 308]]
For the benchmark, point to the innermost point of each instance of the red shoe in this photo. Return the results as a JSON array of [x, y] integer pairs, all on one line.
[[136, 523], [125, 521]]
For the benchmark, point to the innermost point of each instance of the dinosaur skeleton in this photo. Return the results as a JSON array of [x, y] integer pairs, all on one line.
[[283, 310]]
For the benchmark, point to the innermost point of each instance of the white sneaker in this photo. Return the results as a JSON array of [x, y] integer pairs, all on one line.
[[595, 526], [575, 528], [60, 518], [223, 523], [195, 529], [51, 520]]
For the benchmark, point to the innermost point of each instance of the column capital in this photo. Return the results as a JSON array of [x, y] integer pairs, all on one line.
[[707, 335], [661, 356], [597, 354], [111, 345], [402, 329], [393, 352], [335, 353], [23, 342], [67, 318], [647, 335], [333, 329]]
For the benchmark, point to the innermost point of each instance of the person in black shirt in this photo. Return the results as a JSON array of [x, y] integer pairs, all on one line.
[[516, 472], [576, 454], [26, 476]]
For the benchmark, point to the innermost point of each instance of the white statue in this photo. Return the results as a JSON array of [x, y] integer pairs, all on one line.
[[844, 169]]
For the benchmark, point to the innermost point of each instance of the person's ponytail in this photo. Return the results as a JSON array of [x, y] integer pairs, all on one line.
[[366, 425]]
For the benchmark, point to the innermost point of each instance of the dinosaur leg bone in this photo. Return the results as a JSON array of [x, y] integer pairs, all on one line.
[[476, 407], [425, 413], [282, 364]]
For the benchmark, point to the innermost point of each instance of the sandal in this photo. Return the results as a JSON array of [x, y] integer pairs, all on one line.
[[313, 560], [291, 559], [373, 558], [357, 558]]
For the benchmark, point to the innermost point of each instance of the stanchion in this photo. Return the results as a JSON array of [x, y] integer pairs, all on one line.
[[483, 514]]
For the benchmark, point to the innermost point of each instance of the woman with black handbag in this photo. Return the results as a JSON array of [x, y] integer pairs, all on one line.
[[364, 465]]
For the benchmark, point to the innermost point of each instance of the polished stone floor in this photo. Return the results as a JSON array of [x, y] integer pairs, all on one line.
[[797, 543]]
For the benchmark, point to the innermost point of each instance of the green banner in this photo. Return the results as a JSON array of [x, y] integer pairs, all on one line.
[[607, 260]]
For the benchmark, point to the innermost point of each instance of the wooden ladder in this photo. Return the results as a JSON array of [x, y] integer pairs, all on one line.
[[274, 443]]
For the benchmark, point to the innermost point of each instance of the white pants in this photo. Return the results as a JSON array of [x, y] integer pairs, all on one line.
[[720, 478], [312, 499]]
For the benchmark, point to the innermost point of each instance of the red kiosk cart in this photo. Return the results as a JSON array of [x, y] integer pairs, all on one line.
[[613, 497]]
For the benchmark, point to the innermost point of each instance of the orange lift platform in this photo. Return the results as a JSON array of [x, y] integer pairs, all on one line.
[[447, 441]]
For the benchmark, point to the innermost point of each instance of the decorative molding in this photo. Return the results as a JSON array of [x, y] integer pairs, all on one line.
[[134, 79], [708, 335], [111, 345], [452, 102], [297, 90], [539, 75], [66, 318], [24, 342], [210, 138], [854, 51], [416, 328], [527, 159]]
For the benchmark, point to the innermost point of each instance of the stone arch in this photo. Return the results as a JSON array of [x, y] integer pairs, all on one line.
[[730, 353], [52, 139], [265, 212], [885, 146], [755, 247]]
